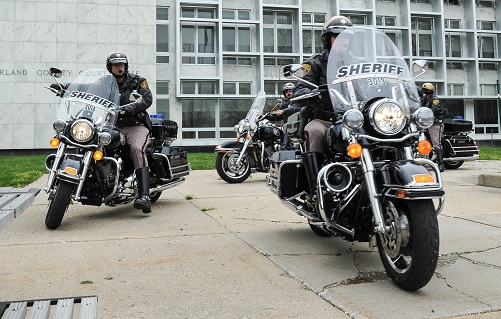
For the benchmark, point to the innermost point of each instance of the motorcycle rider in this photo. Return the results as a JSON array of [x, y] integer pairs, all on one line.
[[324, 113], [429, 99], [133, 121], [286, 109]]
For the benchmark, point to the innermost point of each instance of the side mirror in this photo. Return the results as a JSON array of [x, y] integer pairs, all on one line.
[[294, 69], [55, 72], [419, 66]]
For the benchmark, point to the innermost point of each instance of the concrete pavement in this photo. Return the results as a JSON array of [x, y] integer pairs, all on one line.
[[215, 250]]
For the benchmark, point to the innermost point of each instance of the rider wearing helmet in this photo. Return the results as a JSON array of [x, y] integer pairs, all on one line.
[[324, 115], [133, 121], [430, 99]]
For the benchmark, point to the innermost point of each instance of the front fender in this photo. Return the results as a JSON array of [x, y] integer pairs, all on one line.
[[71, 168], [230, 146], [409, 180]]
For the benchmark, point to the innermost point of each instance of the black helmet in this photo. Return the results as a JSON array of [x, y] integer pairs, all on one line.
[[117, 57], [335, 25], [288, 86], [427, 88]]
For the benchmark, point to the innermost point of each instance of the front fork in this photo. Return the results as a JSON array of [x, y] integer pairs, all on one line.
[[242, 152]]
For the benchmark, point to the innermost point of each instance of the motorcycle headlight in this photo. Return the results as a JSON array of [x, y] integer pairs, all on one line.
[[242, 126], [387, 117], [82, 130], [59, 125], [423, 117], [353, 119], [104, 138]]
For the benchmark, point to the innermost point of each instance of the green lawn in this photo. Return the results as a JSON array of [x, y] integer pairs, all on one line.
[[19, 171]]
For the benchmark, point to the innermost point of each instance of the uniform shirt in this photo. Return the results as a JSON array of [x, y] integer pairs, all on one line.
[[134, 82]]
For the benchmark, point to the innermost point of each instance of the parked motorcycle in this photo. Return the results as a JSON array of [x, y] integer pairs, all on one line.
[[257, 139], [457, 145], [369, 187], [92, 163]]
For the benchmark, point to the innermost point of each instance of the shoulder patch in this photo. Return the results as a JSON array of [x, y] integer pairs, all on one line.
[[306, 67], [144, 84], [436, 101]]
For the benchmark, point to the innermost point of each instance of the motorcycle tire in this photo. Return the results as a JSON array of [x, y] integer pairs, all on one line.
[[453, 164], [155, 197], [319, 230], [228, 171], [409, 252], [59, 204]]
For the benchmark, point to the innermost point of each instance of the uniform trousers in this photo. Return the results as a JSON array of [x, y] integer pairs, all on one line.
[[138, 137], [315, 133]]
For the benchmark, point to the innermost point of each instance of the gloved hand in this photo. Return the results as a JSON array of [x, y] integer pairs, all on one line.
[[127, 109]]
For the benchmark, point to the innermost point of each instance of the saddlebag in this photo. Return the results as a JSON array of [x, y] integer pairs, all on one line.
[[458, 145], [285, 173], [163, 129], [169, 162]]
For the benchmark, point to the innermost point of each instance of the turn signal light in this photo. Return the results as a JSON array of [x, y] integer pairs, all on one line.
[[54, 142], [354, 150], [424, 147], [423, 178], [98, 155]]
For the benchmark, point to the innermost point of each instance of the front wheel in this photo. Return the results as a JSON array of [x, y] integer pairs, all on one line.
[[59, 204], [229, 170], [453, 164], [409, 250]]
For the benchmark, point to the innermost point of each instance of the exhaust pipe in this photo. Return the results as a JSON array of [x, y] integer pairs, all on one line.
[[170, 184]]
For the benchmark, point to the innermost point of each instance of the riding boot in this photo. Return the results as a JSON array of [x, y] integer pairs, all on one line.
[[440, 156], [312, 162], [143, 189]]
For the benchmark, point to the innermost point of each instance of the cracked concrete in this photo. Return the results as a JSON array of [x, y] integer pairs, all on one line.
[[249, 257]]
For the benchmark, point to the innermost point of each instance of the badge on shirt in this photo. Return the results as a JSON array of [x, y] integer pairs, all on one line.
[[144, 84], [307, 68], [435, 102]]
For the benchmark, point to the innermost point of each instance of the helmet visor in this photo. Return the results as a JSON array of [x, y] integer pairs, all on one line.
[[118, 60]]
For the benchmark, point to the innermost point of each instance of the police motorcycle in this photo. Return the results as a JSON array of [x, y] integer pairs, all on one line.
[[369, 187], [257, 139], [457, 144], [92, 163]]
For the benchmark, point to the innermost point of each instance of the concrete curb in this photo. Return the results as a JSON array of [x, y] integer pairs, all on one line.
[[490, 180]]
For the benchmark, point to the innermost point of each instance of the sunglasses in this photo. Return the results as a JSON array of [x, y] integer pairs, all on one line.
[[289, 91]]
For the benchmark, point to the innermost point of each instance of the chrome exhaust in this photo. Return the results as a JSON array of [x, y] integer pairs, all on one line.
[[170, 184]]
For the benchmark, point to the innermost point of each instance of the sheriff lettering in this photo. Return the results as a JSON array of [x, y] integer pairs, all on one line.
[[361, 68], [92, 98]]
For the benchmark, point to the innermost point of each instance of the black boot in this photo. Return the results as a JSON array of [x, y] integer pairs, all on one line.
[[312, 162], [440, 157], [143, 189]]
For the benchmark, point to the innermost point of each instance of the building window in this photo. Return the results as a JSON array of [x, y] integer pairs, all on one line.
[[421, 1], [198, 87], [232, 111], [277, 31], [485, 25], [279, 61], [451, 65], [357, 18], [198, 44], [199, 13], [485, 3], [422, 44], [237, 88], [312, 40], [452, 23], [237, 39], [239, 61], [455, 89], [451, 2], [162, 33], [198, 113], [493, 66], [488, 89], [313, 17], [386, 21], [486, 112], [454, 107], [162, 100], [236, 14], [486, 46], [453, 45]]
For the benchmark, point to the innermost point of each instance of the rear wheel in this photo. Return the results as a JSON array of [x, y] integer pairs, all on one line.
[[453, 164], [59, 204], [229, 170], [155, 197], [409, 251], [319, 230]]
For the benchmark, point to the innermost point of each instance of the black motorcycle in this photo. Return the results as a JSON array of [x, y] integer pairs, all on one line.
[[368, 187], [92, 163], [257, 139]]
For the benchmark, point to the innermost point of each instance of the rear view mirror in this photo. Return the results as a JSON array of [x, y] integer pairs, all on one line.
[[294, 69], [55, 72]]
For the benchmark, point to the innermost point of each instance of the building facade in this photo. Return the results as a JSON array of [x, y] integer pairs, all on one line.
[[206, 60]]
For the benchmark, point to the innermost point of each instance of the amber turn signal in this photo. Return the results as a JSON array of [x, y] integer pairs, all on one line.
[[424, 147], [354, 150], [54, 142], [98, 155], [423, 178]]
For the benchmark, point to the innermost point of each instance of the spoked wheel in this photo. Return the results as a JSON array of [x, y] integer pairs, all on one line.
[[319, 230], [228, 169], [453, 164], [409, 251], [59, 204]]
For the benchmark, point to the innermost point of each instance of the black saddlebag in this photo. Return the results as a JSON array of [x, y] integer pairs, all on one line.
[[286, 173], [163, 129], [169, 162], [459, 145], [457, 125]]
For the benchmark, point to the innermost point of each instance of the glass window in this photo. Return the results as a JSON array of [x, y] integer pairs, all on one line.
[[198, 113], [162, 59], [163, 107], [284, 17], [386, 21], [244, 39], [277, 31], [486, 46], [452, 23], [206, 39], [229, 61], [162, 38], [206, 13], [162, 87], [162, 13], [243, 14], [188, 87], [188, 12], [229, 88], [357, 18], [207, 87], [284, 41], [454, 65], [486, 111], [229, 39], [312, 40], [422, 43], [268, 40], [268, 17], [198, 44], [232, 111], [485, 25], [228, 14], [244, 61], [451, 2], [306, 18], [453, 45], [454, 108], [244, 88], [485, 3], [188, 38], [488, 89], [455, 89]]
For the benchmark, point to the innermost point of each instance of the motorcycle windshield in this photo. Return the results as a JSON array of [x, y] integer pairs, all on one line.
[[93, 95], [364, 63], [257, 108]]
